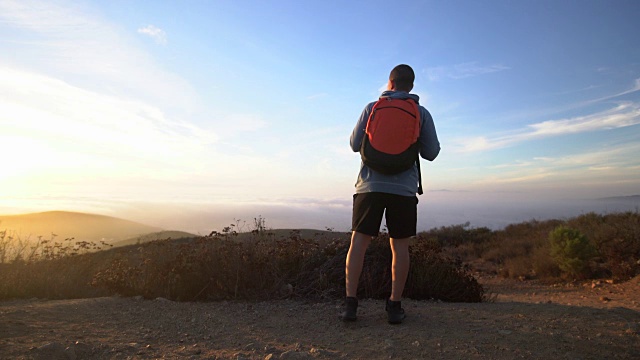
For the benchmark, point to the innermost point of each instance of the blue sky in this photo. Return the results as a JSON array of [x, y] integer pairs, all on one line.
[[202, 112]]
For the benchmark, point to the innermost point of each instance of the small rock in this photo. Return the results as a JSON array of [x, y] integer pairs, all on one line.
[[604, 299], [316, 352], [294, 355]]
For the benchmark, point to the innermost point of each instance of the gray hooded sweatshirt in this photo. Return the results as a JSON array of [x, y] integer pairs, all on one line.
[[404, 183]]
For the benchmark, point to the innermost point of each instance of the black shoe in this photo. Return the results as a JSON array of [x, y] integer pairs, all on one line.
[[395, 312], [351, 307]]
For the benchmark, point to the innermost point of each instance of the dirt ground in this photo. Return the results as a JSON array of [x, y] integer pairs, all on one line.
[[527, 320]]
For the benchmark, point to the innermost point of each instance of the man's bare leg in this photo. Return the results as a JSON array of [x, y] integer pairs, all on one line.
[[355, 260], [399, 266]]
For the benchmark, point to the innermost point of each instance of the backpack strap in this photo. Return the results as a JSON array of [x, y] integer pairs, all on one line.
[[420, 192]]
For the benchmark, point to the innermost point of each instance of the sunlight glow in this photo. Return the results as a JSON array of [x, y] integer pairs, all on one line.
[[223, 107]]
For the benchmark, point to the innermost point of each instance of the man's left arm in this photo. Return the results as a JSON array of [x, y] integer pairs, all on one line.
[[429, 144]]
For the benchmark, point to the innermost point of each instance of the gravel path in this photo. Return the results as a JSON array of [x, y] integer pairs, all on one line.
[[527, 320]]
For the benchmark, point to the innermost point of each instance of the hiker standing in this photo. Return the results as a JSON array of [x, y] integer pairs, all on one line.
[[390, 134]]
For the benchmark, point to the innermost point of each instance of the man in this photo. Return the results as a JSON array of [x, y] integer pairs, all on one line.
[[394, 195]]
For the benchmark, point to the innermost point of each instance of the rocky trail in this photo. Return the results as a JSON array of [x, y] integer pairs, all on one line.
[[526, 320]]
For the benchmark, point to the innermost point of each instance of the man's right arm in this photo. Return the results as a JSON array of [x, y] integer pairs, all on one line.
[[359, 131]]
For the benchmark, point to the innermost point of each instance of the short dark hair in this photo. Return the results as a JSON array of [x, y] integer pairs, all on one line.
[[403, 77]]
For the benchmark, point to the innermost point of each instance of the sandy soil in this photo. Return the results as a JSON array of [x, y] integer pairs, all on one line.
[[527, 320]]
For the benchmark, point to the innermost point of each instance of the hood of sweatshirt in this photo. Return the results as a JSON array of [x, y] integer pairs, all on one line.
[[400, 95]]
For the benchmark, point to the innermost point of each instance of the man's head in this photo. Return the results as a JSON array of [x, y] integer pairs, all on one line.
[[401, 78]]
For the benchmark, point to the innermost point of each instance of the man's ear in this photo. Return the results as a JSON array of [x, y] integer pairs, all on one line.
[[391, 85]]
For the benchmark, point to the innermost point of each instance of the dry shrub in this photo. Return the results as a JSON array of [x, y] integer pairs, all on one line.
[[537, 264], [213, 268], [64, 278], [524, 250], [256, 265], [47, 268], [434, 276], [456, 235], [514, 249], [517, 267], [617, 240], [543, 265]]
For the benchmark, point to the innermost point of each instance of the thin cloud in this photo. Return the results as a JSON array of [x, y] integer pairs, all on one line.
[[79, 45], [624, 114], [41, 16], [158, 35], [87, 140], [615, 157], [521, 178], [636, 87], [87, 123], [632, 89], [462, 71], [612, 162], [92, 127], [317, 96]]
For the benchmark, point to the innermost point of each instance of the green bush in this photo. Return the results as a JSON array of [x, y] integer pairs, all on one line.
[[572, 251]]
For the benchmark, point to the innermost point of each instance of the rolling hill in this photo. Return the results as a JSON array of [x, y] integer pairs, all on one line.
[[160, 235], [81, 226]]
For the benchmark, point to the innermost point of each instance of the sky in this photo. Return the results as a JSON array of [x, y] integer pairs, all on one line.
[[193, 115]]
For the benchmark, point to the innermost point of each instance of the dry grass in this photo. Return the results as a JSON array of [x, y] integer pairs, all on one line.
[[523, 251], [257, 265], [222, 266]]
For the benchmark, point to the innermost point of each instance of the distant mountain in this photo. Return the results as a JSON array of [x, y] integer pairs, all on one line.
[[80, 226], [631, 198], [161, 235]]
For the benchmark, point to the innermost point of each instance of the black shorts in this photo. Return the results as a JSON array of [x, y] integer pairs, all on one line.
[[401, 214]]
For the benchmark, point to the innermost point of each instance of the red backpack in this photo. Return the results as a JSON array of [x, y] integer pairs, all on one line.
[[390, 145]]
